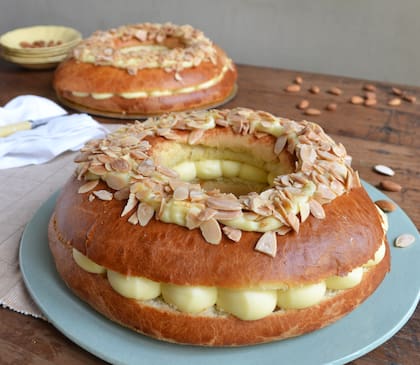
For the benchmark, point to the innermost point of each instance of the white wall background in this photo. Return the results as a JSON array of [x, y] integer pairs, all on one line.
[[370, 39]]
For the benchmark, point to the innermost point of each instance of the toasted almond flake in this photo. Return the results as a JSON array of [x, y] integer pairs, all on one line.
[[283, 230], [304, 211], [227, 214], [120, 165], [223, 203], [167, 171], [293, 222], [130, 205], [133, 218], [267, 244], [144, 213], [206, 214], [386, 205], [211, 231], [91, 197], [232, 233], [384, 170], [316, 209], [404, 240], [307, 154], [103, 194], [98, 169], [181, 192], [88, 186], [280, 144], [195, 136]]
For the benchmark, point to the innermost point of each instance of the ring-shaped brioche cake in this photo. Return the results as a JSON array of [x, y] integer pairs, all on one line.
[[145, 69], [219, 228]]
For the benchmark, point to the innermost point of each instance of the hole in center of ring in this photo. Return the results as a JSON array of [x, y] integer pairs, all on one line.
[[229, 171]]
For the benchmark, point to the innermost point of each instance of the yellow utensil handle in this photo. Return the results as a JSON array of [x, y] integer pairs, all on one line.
[[7, 130]]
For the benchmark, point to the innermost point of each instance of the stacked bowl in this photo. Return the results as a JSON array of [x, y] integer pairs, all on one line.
[[39, 47]]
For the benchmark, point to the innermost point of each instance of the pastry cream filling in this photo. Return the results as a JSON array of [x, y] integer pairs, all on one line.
[[246, 303], [156, 93]]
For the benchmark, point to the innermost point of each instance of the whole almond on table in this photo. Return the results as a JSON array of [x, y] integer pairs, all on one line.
[[370, 102], [314, 89], [293, 88], [303, 104], [389, 185], [410, 98], [370, 95], [335, 91], [312, 111], [386, 205], [394, 102], [298, 80], [369, 87], [356, 99], [331, 107], [397, 91]]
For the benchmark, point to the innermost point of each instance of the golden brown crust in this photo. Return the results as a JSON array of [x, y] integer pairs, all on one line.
[[72, 75], [167, 324], [163, 252]]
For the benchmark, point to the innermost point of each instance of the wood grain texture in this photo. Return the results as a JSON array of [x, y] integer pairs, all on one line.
[[372, 135]]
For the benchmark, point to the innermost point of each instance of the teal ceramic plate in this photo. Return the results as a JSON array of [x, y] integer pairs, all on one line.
[[371, 324]]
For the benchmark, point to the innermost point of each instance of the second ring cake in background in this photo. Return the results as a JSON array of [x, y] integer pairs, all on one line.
[[145, 69]]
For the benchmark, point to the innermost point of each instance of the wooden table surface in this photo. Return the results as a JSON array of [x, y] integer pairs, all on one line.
[[372, 135]]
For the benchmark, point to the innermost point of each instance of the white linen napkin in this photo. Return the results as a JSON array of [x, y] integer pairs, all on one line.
[[42, 144]]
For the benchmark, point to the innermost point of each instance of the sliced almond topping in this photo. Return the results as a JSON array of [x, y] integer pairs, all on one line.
[[167, 171], [120, 165], [280, 144], [103, 194], [283, 230], [144, 213], [133, 218], [227, 214], [223, 203], [232, 233], [267, 244], [316, 209], [404, 240], [130, 205], [206, 214], [181, 192], [211, 231], [293, 221], [304, 211], [91, 197], [88, 186], [195, 136]]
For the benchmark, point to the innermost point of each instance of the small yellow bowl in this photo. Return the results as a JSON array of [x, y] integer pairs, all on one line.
[[64, 38]]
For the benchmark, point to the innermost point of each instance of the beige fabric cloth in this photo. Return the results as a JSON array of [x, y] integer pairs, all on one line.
[[22, 191]]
